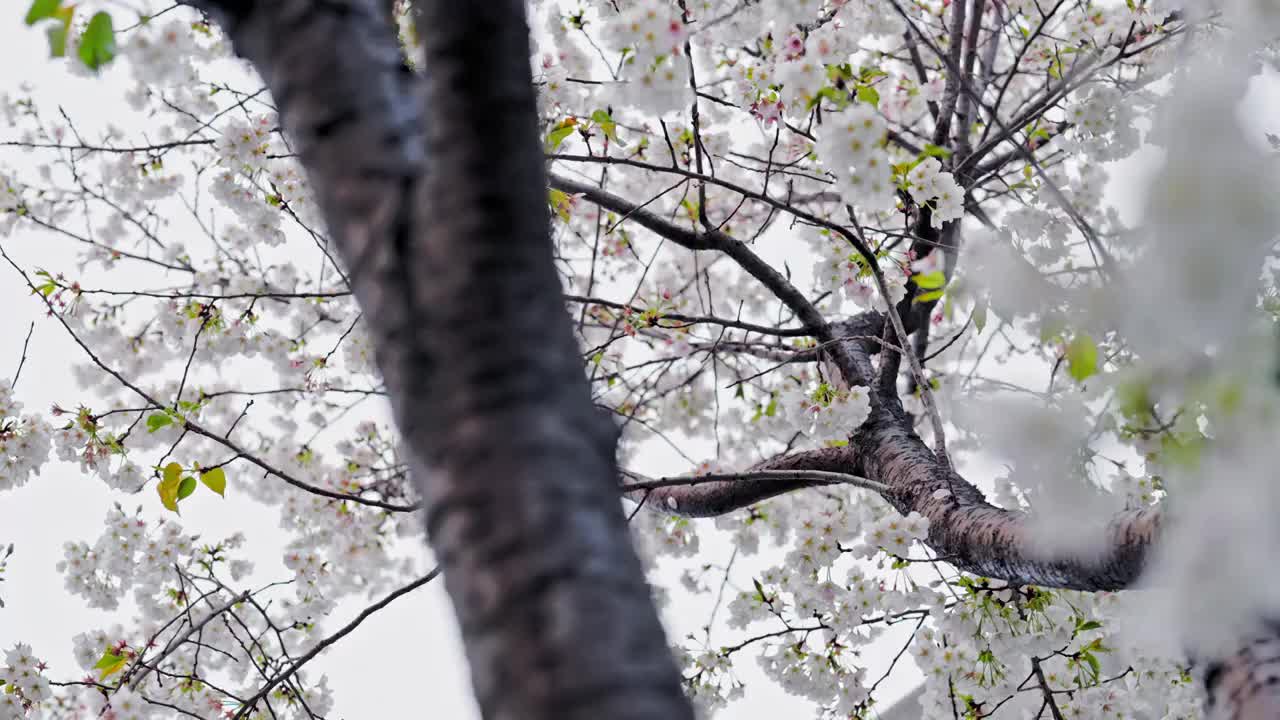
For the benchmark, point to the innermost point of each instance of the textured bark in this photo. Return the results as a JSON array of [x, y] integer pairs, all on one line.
[[977, 537], [451, 262], [964, 528], [551, 597], [717, 498], [1247, 685]]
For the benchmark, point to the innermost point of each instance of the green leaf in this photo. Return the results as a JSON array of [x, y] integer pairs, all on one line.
[[869, 95], [57, 40], [1133, 399], [41, 9], [928, 296], [1088, 625], [930, 280], [980, 317], [1095, 665], [215, 480], [155, 421], [557, 136], [607, 125], [560, 203], [186, 487], [1082, 357], [110, 663], [98, 44], [931, 150]]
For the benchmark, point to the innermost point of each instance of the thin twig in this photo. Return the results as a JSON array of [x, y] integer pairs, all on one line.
[[22, 361], [249, 704]]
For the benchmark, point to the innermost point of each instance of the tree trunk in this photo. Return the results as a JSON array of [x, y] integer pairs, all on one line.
[[451, 261]]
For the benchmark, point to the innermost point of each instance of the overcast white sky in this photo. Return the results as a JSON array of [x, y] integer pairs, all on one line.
[[406, 660]]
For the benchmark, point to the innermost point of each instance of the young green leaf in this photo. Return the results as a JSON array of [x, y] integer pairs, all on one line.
[[98, 44], [186, 487], [41, 9], [1082, 357], [110, 663], [1086, 625], [606, 124], [931, 150], [57, 40], [560, 203], [556, 137], [215, 480], [155, 421]]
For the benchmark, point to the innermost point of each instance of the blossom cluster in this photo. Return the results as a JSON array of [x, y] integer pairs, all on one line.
[[930, 185], [852, 147], [23, 681], [25, 440], [822, 411]]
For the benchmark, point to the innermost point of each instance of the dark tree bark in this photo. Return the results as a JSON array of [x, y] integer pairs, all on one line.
[[444, 229], [1246, 686], [551, 597]]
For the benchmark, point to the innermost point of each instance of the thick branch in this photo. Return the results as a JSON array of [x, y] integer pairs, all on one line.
[[691, 319], [695, 497], [452, 266], [980, 538], [682, 236], [972, 534]]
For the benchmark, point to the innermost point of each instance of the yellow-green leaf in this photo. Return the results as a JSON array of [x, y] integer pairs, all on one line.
[[168, 487], [215, 480], [931, 150], [560, 203], [557, 136], [607, 125], [980, 317], [1082, 357], [110, 663]]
